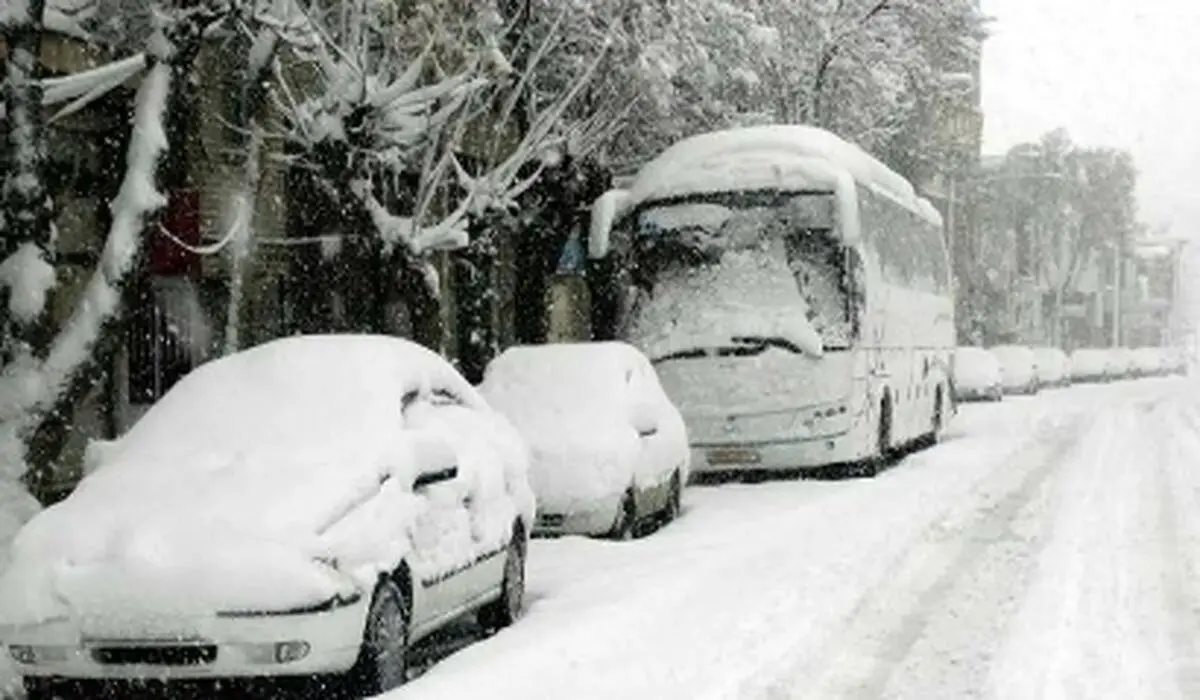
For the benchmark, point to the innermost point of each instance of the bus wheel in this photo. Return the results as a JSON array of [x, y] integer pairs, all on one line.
[[938, 418], [872, 465]]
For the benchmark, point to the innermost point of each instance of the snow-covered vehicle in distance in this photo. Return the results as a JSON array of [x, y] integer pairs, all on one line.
[[1089, 365], [609, 451], [309, 506], [1149, 362], [978, 375], [1120, 364], [1019, 367], [793, 293], [1053, 367]]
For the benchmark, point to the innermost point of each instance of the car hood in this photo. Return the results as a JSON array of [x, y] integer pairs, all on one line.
[[240, 538]]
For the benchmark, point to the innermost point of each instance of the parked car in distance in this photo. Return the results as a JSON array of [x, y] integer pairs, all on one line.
[[1149, 362], [1053, 367], [1019, 368], [977, 375], [1088, 365], [310, 506], [1120, 363], [609, 451]]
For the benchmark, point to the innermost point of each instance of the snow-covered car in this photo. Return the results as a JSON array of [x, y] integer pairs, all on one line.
[[1018, 368], [1089, 365], [309, 506], [1120, 363], [609, 451], [1175, 360], [1149, 362], [1053, 367], [977, 375]]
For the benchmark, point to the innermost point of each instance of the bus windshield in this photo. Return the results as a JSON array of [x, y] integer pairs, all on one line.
[[764, 266]]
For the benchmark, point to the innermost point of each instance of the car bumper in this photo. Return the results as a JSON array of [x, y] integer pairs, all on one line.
[[991, 393], [591, 520], [212, 648]]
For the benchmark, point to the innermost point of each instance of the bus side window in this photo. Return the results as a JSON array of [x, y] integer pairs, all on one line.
[[856, 290]]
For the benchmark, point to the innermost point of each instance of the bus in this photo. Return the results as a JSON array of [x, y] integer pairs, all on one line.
[[793, 293]]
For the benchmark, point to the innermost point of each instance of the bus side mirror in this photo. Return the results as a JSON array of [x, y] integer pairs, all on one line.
[[609, 207]]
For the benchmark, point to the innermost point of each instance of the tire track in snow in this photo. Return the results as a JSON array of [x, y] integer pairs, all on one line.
[[892, 617], [1178, 496], [1094, 621]]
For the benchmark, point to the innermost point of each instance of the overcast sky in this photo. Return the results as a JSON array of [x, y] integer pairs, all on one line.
[[1113, 72]]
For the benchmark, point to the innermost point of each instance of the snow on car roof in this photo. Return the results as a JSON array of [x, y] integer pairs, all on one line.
[[587, 374], [758, 157], [258, 458], [305, 389]]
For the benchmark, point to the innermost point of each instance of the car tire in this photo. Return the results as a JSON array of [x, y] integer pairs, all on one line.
[[674, 499], [626, 525], [939, 418], [64, 689], [383, 657], [505, 610]]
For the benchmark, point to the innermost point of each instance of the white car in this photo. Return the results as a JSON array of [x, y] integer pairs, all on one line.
[[1120, 363], [307, 507], [1149, 362], [977, 375], [609, 449], [1089, 365], [1053, 367], [1019, 365]]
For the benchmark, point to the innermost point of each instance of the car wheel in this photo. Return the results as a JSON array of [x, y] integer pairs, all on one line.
[[674, 499], [507, 608], [62, 689], [938, 418], [382, 659], [626, 518]]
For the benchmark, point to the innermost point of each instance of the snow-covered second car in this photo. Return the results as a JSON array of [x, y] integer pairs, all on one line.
[[307, 507], [609, 451]]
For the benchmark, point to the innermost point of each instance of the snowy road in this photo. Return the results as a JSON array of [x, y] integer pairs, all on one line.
[[1048, 549]]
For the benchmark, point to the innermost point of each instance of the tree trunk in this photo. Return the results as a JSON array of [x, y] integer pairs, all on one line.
[[94, 327], [475, 278], [26, 212]]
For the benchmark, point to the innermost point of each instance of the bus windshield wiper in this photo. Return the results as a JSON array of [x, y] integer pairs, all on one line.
[[747, 346], [725, 351], [770, 341]]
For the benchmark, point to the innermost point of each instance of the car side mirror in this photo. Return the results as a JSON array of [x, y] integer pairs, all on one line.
[[645, 418], [435, 460]]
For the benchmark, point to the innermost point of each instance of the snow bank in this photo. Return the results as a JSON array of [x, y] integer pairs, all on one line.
[[251, 465], [574, 404], [751, 293]]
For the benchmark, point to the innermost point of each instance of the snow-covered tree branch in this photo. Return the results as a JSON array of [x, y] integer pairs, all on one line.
[[37, 393]]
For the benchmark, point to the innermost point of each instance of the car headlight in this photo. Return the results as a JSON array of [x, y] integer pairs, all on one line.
[[338, 601], [30, 654]]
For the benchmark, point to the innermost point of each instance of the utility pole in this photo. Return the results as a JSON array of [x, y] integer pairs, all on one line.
[[1116, 322]]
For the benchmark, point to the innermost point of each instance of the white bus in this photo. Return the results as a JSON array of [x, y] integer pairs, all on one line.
[[794, 294]]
